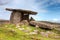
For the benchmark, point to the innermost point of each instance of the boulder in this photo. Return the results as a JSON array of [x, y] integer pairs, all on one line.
[[32, 19], [40, 24]]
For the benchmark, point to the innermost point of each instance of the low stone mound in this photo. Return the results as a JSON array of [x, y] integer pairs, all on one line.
[[25, 22]]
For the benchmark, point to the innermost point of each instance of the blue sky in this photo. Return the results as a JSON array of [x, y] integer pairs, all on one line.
[[47, 9]]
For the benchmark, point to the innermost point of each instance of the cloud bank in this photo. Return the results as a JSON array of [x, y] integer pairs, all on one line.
[[3, 2], [41, 6], [48, 4]]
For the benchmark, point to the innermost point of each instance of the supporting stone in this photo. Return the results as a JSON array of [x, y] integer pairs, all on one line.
[[15, 17]]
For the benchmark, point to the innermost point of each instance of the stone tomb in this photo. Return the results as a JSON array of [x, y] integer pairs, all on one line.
[[18, 15]]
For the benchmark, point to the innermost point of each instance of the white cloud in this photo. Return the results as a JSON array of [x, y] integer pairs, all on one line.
[[3, 2], [46, 3], [25, 4], [55, 20]]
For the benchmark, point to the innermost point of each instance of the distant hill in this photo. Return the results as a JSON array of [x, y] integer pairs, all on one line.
[[4, 21], [50, 22]]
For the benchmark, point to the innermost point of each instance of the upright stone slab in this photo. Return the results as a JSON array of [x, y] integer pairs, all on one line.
[[15, 17]]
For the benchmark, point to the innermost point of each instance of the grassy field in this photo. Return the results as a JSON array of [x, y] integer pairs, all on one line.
[[25, 32]]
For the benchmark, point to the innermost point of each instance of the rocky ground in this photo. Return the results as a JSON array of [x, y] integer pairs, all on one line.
[[26, 32]]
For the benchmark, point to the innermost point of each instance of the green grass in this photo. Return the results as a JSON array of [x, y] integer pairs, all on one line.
[[10, 32]]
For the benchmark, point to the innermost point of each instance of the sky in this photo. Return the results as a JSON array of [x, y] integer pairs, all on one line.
[[48, 10]]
